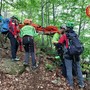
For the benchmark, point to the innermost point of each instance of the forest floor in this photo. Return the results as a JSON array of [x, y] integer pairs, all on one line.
[[39, 79]]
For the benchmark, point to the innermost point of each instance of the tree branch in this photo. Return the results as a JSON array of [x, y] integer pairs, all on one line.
[[9, 3]]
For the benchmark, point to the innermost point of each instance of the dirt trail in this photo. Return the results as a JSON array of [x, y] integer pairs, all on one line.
[[40, 79]]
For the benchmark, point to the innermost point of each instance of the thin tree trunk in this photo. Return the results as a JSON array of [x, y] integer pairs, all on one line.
[[1, 7], [42, 15], [81, 19], [53, 14], [80, 26], [21, 16], [84, 25], [47, 19], [30, 13], [47, 10]]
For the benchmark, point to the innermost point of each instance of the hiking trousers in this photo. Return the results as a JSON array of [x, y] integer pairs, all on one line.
[[69, 64], [14, 44], [28, 44]]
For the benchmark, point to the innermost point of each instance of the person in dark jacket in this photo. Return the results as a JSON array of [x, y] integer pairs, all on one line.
[[69, 59], [12, 35]]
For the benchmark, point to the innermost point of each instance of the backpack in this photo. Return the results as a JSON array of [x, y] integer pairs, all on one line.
[[5, 26], [75, 46]]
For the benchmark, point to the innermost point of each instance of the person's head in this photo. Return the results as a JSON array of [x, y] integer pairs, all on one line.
[[69, 25], [15, 19], [26, 22], [30, 21], [62, 29]]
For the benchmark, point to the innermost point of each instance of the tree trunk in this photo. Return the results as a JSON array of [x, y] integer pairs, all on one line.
[[1, 7], [81, 18], [47, 19], [30, 13], [80, 26], [53, 14], [47, 13], [42, 15]]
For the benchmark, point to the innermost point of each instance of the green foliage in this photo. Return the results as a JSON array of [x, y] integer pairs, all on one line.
[[65, 10], [47, 44], [86, 69], [49, 67], [85, 39]]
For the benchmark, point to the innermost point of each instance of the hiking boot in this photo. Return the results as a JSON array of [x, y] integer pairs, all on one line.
[[15, 59], [25, 64], [34, 67], [81, 86]]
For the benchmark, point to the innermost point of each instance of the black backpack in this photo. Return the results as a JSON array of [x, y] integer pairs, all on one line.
[[75, 46]]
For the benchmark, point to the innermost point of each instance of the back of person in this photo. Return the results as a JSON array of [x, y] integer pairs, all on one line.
[[28, 30], [12, 35], [27, 33], [75, 46], [71, 59]]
